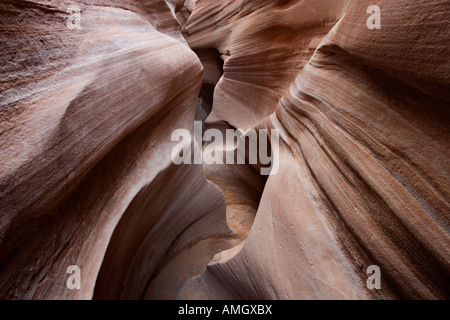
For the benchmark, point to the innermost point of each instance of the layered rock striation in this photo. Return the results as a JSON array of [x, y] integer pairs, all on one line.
[[90, 96]]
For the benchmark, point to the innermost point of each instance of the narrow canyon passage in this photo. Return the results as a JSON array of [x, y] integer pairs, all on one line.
[[242, 188], [350, 97]]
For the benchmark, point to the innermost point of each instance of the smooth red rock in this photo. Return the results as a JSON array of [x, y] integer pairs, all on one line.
[[86, 122], [364, 169], [86, 177]]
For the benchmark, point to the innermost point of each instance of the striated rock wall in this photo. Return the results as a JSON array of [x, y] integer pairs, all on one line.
[[86, 177], [364, 169], [86, 121], [264, 44]]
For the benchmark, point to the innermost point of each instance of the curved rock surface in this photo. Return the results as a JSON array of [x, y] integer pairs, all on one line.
[[86, 122], [86, 177], [264, 44], [364, 163]]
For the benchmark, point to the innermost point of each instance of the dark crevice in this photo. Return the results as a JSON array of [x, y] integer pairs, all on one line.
[[213, 71]]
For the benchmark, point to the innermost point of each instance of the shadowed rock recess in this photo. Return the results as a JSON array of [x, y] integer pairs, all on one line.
[[90, 97]]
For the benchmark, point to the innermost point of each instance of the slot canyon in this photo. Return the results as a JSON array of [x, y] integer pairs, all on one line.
[[91, 92]]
